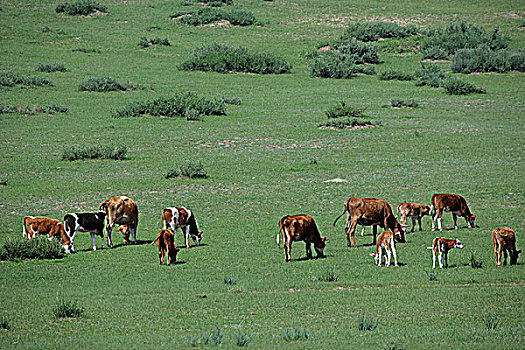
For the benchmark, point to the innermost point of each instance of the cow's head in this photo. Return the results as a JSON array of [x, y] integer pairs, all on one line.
[[514, 256], [319, 246], [125, 232], [457, 244], [197, 238], [375, 256], [426, 210], [173, 255], [470, 221], [399, 233]]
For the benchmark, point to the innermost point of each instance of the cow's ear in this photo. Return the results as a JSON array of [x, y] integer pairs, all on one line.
[[519, 251], [324, 239]]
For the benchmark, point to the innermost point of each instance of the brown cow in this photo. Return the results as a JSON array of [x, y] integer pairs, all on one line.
[[453, 203], [52, 228], [385, 241], [442, 246], [413, 210], [166, 243], [300, 228], [120, 210], [124, 229], [368, 212], [504, 240], [183, 218]]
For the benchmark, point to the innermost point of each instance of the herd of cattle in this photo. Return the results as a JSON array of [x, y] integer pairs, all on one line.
[[122, 211]]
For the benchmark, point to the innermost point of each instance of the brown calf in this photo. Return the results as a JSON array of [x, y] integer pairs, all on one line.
[[385, 241], [504, 240], [457, 205], [300, 228], [52, 228], [442, 246], [413, 210], [124, 229], [166, 243]]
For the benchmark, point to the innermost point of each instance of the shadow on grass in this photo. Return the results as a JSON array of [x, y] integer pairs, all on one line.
[[192, 246]]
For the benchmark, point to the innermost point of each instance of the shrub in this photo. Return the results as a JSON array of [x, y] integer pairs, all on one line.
[[367, 323], [51, 67], [399, 103], [212, 338], [193, 170], [432, 275], [177, 106], [517, 60], [147, 42], [341, 109], [328, 276], [86, 50], [94, 152], [362, 52], [80, 8], [241, 339], [224, 58], [346, 123], [210, 15], [66, 308], [11, 79], [226, 2], [455, 86], [172, 173], [240, 18], [331, 66], [53, 108], [483, 59], [37, 248], [430, 74], [395, 75], [445, 40], [474, 262], [230, 280], [4, 323], [373, 31], [491, 322], [101, 84], [294, 334]]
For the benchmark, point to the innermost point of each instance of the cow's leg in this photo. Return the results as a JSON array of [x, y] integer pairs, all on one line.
[[419, 221], [380, 252], [362, 231], [374, 230], [441, 257], [308, 250], [433, 258], [161, 256], [504, 257], [133, 234], [455, 217], [168, 256], [387, 257], [109, 227], [497, 256], [186, 230], [94, 240], [350, 235], [414, 224], [393, 247], [288, 249]]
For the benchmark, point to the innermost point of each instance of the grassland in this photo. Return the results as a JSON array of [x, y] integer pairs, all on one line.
[[266, 158]]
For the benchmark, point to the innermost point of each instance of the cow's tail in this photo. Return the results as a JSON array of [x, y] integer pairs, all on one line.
[[24, 232], [337, 218], [397, 210], [280, 234], [156, 239], [432, 206], [433, 243]]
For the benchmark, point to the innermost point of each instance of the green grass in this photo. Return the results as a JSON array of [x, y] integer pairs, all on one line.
[[264, 159]]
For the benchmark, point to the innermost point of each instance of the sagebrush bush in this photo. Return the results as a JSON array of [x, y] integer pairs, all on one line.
[[190, 170], [101, 84], [483, 59], [430, 74], [329, 276], [80, 8], [225, 58], [94, 152], [474, 262], [456, 86], [373, 31], [211, 15], [395, 75], [360, 52], [147, 42], [399, 103], [176, 106], [342, 109], [444, 41], [33, 109], [345, 123], [66, 308], [51, 67], [11, 79], [331, 66], [14, 249]]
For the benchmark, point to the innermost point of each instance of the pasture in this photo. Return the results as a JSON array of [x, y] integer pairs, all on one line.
[[264, 159]]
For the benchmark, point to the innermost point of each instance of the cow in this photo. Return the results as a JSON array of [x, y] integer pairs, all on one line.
[[504, 240], [166, 243], [385, 241], [52, 228], [453, 203], [85, 222], [176, 217], [442, 246], [124, 229], [413, 210], [120, 210], [368, 212], [300, 227]]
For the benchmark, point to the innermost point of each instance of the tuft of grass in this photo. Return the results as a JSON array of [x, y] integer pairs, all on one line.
[[190, 170], [346, 123], [395, 75], [51, 67], [80, 8], [16, 249], [11, 79], [4, 323], [456, 86], [66, 309], [212, 338], [36, 109], [367, 323], [232, 100], [241, 339], [432, 275], [101, 84], [342, 109], [474, 262], [147, 42], [94, 152], [373, 31], [231, 281], [491, 321], [294, 334], [328, 276], [399, 103]]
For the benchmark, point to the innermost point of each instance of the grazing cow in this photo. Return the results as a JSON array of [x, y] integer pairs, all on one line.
[[453, 203], [166, 243], [120, 210], [124, 229], [85, 222], [442, 246], [504, 240], [46, 226], [181, 217], [413, 210], [300, 228], [385, 241], [368, 212]]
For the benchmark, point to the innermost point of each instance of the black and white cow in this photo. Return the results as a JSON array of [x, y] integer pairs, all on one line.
[[85, 222]]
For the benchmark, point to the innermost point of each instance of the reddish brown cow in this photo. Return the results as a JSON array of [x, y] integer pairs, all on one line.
[[504, 240], [120, 210], [52, 228], [124, 229], [368, 212], [166, 243], [181, 217], [300, 228], [385, 241], [442, 246], [413, 210], [457, 205]]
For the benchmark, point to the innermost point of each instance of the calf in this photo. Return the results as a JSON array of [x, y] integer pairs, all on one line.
[[457, 205], [385, 241], [413, 210], [85, 222], [181, 217], [442, 246], [504, 240], [46, 226], [124, 229], [166, 243], [120, 210], [300, 228]]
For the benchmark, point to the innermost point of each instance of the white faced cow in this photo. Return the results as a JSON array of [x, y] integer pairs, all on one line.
[[441, 246], [120, 210], [181, 217], [453, 203], [85, 222], [413, 210], [52, 228]]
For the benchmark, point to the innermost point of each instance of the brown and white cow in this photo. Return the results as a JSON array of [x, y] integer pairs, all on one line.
[[120, 210], [504, 240], [385, 241], [442, 246], [176, 217], [166, 244], [370, 212], [52, 228], [453, 203], [300, 227], [413, 210]]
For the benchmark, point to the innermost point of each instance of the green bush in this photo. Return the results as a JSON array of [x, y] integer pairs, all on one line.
[[80, 8], [232, 100], [444, 41], [101, 84], [345, 123], [240, 18], [37, 248], [360, 51], [211, 15], [455, 86], [474, 262], [395, 75], [231, 280], [66, 308], [213, 338], [50, 109], [94, 152], [241, 339], [483, 59], [331, 66], [341, 109], [294, 334], [430, 74], [51, 67], [328, 276], [373, 31], [190, 170], [367, 323], [177, 106], [11, 79], [147, 42], [224, 58], [4, 323], [491, 322], [399, 103]]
